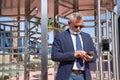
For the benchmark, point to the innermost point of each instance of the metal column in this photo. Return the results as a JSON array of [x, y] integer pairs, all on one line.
[[116, 45], [113, 47], [108, 52], [44, 27], [99, 41], [27, 25]]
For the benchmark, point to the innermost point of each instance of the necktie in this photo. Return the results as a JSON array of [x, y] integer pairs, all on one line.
[[78, 47]]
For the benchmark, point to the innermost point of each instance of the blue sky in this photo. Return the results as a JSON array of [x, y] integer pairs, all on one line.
[[118, 1]]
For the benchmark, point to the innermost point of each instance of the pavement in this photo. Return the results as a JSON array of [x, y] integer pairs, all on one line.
[[36, 75]]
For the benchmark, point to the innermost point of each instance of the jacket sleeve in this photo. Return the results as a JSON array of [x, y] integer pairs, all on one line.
[[58, 53], [92, 48]]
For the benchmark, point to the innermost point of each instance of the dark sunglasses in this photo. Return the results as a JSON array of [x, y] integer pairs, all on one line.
[[76, 26]]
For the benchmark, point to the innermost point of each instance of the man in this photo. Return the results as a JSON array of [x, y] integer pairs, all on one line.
[[73, 61]]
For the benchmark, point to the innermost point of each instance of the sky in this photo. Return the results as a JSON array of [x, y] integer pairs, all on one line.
[[118, 1]]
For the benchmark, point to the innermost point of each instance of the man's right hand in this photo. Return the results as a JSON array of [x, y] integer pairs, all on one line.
[[80, 54]]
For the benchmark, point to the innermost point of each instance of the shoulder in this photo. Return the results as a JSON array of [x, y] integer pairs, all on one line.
[[84, 33], [63, 33]]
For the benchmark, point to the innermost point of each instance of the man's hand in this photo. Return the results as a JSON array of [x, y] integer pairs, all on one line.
[[82, 54], [88, 58]]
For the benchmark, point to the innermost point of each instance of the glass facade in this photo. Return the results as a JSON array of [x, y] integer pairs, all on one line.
[[5, 41]]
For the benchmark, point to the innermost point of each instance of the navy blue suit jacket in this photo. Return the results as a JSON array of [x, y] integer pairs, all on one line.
[[63, 52]]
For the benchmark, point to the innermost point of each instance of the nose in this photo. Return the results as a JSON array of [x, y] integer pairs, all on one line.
[[78, 28]]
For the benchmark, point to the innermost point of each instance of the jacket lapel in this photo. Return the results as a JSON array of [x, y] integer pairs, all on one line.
[[84, 40], [69, 39]]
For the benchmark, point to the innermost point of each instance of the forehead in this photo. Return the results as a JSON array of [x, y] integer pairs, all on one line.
[[75, 20]]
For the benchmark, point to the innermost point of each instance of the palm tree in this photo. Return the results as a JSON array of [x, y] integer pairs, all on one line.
[[51, 24]]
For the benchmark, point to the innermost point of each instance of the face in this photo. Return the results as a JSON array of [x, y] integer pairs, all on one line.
[[76, 25]]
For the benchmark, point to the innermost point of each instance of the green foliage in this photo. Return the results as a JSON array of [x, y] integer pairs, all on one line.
[[34, 66], [50, 24], [37, 66], [0, 77], [6, 77]]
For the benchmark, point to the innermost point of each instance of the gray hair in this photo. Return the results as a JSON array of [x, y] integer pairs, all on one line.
[[77, 15]]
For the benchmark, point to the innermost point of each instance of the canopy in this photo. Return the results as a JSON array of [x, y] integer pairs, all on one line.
[[65, 7]]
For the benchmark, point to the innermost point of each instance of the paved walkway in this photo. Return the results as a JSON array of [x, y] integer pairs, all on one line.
[[36, 75]]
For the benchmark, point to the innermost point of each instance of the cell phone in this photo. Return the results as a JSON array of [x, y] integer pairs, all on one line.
[[90, 53]]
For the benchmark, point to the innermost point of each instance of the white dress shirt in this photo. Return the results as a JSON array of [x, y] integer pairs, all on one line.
[[74, 44]]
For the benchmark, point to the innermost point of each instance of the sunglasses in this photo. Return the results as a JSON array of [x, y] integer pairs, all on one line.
[[76, 26]]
